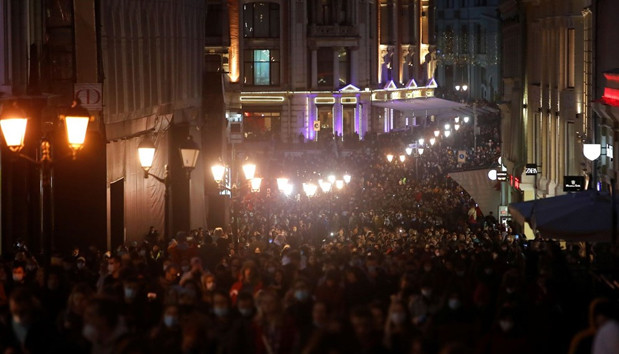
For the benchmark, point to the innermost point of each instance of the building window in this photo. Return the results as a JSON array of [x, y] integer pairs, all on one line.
[[570, 56], [464, 40], [325, 12], [261, 125], [214, 20], [261, 67], [343, 59], [425, 26], [325, 66], [261, 20], [481, 39], [386, 22]]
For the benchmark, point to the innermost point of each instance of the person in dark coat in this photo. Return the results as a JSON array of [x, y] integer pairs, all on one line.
[[28, 330]]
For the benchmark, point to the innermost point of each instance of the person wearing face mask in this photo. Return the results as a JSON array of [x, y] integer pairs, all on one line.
[[81, 272], [456, 321], [398, 328], [506, 336], [104, 326], [224, 328], [245, 306], [28, 330], [136, 310], [166, 337], [300, 303], [111, 274], [425, 305]]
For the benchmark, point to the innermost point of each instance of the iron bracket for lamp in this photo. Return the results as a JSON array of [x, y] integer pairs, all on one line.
[[163, 180]]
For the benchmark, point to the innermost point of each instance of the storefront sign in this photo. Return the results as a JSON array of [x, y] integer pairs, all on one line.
[[573, 183], [531, 169]]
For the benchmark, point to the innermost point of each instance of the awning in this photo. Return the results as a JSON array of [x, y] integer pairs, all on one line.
[[422, 106], [480, 188]]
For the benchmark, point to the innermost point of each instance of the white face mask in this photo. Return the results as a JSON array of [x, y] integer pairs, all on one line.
[[454, 304], [245, 312], [506, 325], [90, 333], [129, 293], [398, 317], [170, 321]]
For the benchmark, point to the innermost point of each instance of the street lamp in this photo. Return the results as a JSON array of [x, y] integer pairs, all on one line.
[[249, 169], [325, 186], [432, 141], [146, 154], [255, 184], [13, 123], [389, 157], [447, 133], [466, 119], [437, 133], [409, 150], [339, 184], [310, 189], [457, 126], [421, 141], [347, 178], [189, 154], [402, 158], [282, 182]]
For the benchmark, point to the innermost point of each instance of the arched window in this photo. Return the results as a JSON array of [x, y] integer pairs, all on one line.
[[261, 20]]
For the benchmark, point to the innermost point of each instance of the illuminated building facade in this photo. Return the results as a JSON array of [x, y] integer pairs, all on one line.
[[559, 78], [468, 47], [313, 69]]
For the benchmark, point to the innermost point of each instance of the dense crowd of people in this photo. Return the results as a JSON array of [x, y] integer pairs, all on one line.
[[398, 261]]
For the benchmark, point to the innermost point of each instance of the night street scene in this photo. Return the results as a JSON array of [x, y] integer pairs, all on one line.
[[309, 176]]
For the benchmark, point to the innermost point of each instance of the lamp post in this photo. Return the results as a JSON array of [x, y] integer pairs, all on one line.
[[461, 91], [189, 152], [221, 175], [13, 123]]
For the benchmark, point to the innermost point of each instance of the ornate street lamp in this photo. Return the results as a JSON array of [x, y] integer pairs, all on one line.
[[255, 184], [282, 182], [249, 170], [389, 157], [146, 154], [76, 122], [189, 154], [402, 158], [339, 184], [13, 123], [347, 178]]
